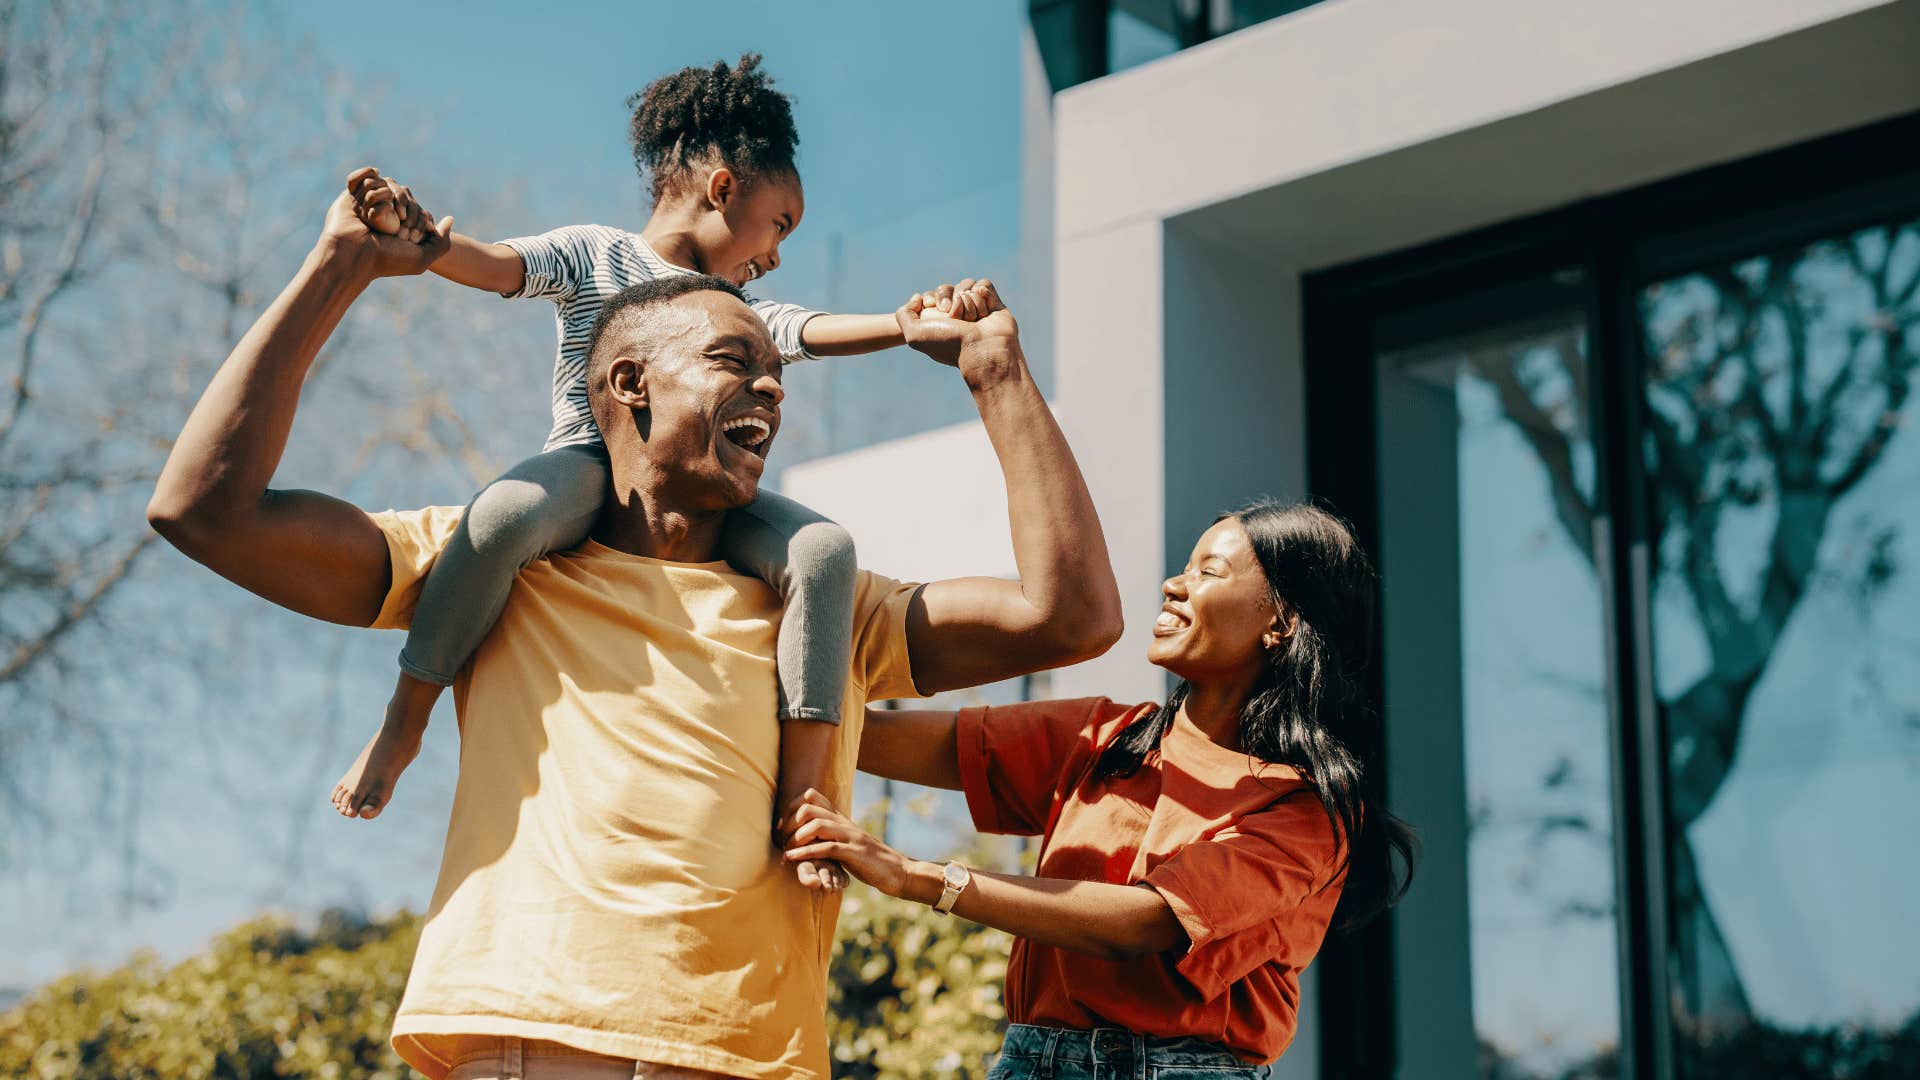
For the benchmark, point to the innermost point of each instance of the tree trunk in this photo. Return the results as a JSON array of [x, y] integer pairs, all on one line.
[[1703, 734]]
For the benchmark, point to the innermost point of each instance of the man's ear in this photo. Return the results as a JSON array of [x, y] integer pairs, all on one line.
[[722, 186], [627, 382]]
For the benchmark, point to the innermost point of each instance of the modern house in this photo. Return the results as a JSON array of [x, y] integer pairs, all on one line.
[[1600, 322]]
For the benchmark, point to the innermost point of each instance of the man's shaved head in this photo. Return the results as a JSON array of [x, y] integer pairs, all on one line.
[[625, 315], [684, 382]]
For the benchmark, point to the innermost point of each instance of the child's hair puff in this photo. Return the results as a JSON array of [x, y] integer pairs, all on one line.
[[703, 117]]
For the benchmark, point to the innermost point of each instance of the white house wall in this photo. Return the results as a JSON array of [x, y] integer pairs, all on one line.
[[921, 508], [1348, 80]]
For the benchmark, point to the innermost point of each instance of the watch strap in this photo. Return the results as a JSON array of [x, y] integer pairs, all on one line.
[[950, 892]]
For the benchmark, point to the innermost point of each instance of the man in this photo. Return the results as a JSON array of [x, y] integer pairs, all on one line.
[[608, 899]]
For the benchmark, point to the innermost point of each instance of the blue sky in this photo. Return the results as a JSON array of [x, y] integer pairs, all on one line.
[[898, 118], [910, 147], [893, 115]]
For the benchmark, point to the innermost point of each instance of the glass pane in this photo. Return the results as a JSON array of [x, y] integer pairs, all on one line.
[[1067, 34], [1495, 657], [1136, 37], [1248, 12], [1785, 479]]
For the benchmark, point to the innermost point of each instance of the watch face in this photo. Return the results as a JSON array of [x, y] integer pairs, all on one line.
[[956, 875]]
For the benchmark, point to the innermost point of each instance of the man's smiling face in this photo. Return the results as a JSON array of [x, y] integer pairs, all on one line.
[[711, 381]]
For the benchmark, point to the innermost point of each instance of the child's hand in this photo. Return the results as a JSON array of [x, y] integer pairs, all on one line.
[[969, 303], [824, 832], [945, 333], [824, 875], [386, 206]]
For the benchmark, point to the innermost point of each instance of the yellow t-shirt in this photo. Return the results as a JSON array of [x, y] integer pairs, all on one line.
[[610, 879]]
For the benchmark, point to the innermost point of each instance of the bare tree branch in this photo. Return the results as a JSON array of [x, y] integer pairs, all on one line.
[[33, 650], [86, 216], [1500, 368]]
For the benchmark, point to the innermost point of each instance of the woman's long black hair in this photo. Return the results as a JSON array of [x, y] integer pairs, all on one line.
[[1309, 709]]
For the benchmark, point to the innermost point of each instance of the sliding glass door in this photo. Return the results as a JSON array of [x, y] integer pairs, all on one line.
[[1496, 683], [1783, 477], [1643, 477]]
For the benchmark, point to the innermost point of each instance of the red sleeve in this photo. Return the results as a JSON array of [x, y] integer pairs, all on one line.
[[1230, 892], [1014, 759]]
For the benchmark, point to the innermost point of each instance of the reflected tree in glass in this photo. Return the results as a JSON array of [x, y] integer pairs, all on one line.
[[1775, 386], [1541, 978]]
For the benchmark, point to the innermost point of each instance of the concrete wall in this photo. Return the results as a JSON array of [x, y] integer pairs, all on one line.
[[1033, 302], [1235, 419], [1426, 770], [1348, 80], [1110, 364], [921, 508], [1356, 127]]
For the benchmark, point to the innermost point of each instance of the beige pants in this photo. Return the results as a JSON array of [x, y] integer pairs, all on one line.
[[534, 1059]]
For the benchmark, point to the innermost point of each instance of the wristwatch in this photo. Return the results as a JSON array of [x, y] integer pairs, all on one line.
[[957, 878]]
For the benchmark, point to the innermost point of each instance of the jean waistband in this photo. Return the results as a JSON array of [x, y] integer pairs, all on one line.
[[507, 1048], [1111, 1044]]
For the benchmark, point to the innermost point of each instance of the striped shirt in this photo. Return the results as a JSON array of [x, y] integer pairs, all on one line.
[[578, 267]]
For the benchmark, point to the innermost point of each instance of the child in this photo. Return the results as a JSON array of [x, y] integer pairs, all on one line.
[[719, 146]]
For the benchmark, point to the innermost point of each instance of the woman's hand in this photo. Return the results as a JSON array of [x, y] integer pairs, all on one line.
[[1097, 918], [825, 833]]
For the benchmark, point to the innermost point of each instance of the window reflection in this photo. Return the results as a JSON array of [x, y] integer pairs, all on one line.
[[1785, 480], [1487, 455]]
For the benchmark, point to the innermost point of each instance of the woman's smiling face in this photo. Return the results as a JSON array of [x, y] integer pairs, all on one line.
[[1217, 616]]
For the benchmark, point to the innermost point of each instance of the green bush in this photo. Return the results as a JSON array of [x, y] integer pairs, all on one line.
[[265, 999], [913, 994]]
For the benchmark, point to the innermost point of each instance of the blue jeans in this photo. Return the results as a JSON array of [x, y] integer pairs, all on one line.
[[1046, 1053]]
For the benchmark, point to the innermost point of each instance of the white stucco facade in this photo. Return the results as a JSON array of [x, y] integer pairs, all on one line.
[[1191, 194]]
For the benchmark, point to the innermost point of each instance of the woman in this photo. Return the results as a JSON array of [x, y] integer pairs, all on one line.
[[1194, 852]]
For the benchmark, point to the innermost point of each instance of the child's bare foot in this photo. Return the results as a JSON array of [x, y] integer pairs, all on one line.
[[367, 787]]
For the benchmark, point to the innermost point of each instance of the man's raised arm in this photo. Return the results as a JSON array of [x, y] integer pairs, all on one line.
[[300, 549], [1065, 606]]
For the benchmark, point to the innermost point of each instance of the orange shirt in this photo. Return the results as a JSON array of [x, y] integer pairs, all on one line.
[[1240, 848]]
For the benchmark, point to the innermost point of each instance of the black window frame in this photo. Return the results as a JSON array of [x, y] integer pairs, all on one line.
[[1075, 42]]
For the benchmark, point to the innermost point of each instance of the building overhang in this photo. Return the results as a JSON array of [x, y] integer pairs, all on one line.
[[1355, 127]]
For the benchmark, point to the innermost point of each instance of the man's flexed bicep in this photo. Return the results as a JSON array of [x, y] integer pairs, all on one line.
[[302, 550], [1064, 607]]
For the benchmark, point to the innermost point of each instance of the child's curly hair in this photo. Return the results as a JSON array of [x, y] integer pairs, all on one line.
[[709, 116]]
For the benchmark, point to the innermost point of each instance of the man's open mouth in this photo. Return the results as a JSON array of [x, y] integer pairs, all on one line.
[[749, 433]]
